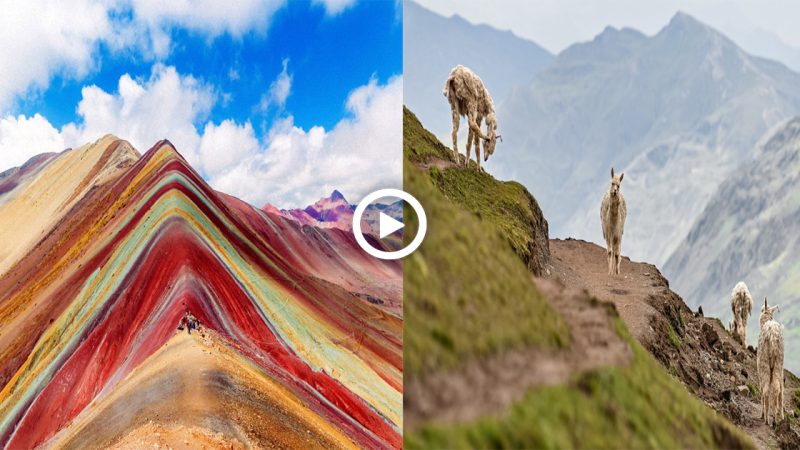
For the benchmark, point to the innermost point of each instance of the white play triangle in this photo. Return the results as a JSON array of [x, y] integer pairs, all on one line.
[[388, 225]]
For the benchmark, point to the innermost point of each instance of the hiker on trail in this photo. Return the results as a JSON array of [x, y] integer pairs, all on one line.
[[189, 321]]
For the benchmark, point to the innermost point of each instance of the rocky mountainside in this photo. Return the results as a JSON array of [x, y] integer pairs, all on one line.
[[749, 231], [676, 111], [302, 326], [434, 45], [498, 358], [696, 350]]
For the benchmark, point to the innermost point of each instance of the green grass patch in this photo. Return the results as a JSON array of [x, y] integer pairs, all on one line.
[[506, 205], [752, 388], [466, 294], [639, 406], [796, 403], [419, 144], [673, 337], [673, 371]]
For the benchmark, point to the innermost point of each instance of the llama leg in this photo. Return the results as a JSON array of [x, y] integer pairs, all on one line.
[[470, 141], [610, 258], [455, 134], [767, 405], [613, 257], [617, 254], [478, 152]]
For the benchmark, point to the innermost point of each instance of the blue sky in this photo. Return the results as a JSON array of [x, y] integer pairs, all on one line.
[[328, 57], [312, 80]]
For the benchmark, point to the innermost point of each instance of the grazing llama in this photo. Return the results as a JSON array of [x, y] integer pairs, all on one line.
[[769, 362], [742, 305], [612, 215], [468, 97]]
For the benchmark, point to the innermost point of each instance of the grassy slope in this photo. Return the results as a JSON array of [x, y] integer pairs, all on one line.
[[505, 204], [467, 295], [639, 406]]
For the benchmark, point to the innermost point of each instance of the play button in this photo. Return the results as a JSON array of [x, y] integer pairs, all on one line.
[[388, 225]]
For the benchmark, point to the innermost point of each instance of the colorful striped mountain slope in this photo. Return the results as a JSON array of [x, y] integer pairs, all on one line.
[[303, 331]]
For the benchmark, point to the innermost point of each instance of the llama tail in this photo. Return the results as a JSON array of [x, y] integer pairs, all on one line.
[[448, 87]]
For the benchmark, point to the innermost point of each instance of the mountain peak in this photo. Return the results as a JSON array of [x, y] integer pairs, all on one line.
[[609, 29], [683, 22], [163, 149], [336, 195]]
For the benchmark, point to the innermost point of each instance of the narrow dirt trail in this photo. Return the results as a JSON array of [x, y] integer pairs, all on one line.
[[696, 349], [583, 265], [491, 385]]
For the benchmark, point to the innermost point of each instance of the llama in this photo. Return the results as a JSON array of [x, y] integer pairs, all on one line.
[[769, 363], [742, 305], [612, 215], [468, 97]]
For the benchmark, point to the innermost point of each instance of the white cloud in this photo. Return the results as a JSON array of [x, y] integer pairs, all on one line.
[[23, 137], [279, 90], [211, 17], [226, 145], [43, 38], [296, 167], [334, 7], [167, 105]]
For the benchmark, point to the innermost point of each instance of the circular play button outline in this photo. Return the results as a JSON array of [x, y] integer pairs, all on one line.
[[395, 193]]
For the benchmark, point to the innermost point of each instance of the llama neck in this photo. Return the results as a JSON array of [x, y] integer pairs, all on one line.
[[614, 204]]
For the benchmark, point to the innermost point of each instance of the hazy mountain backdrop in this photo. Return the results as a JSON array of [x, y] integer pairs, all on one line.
[[748, 232], [676, 111]]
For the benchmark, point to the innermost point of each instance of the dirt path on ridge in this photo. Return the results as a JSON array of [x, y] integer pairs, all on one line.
[[490, 385], [583, 265]]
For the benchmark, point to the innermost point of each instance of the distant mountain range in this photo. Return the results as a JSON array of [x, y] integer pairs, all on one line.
[[749, 231], [676, 111], [434, 45], [335, 211]]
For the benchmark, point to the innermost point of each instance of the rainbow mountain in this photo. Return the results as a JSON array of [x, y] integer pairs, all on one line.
[[101, 252]]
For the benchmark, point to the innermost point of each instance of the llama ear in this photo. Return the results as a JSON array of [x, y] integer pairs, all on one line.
[[765, 303], [612, 172], [622, 175]]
